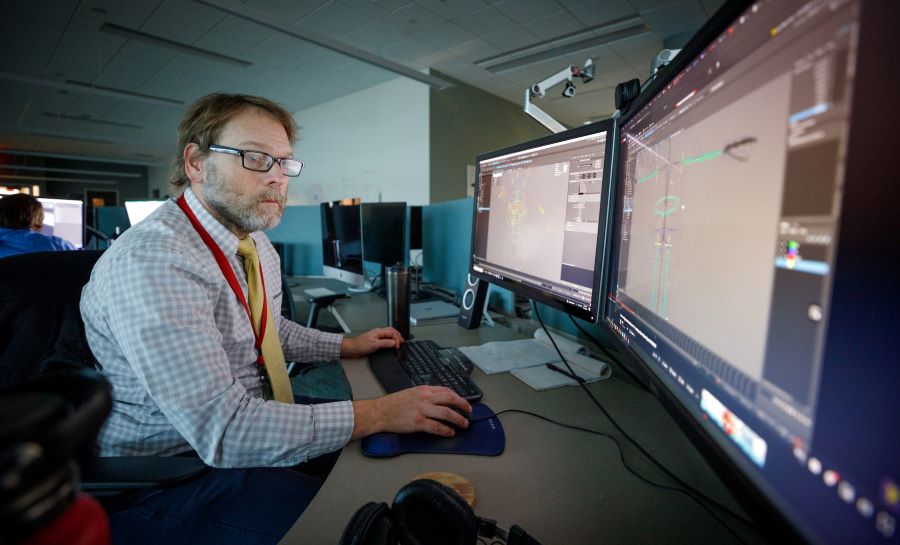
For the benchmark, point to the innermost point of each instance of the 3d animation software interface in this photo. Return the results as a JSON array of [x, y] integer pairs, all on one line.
[[732, 182], [538, 214]]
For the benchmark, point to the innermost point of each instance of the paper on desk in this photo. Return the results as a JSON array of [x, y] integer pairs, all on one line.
[[319, 292], [543, 378], [503, 356]]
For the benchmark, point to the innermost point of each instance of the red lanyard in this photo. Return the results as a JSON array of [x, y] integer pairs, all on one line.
[[228, 272]]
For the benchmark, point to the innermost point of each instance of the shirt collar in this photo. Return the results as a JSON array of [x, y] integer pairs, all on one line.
[[225, 239]]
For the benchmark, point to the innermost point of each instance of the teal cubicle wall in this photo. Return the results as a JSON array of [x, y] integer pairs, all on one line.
[[300, 230], [108, 218]]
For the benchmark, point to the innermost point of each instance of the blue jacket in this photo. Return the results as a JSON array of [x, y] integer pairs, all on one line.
[[23, 241]]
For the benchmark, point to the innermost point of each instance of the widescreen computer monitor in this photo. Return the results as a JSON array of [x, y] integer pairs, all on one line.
[[749, 281], [383, 232], [138, 210], [342, 241], [541, 218], [64, 218]]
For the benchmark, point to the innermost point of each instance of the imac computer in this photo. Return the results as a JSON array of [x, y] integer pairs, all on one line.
[[383, 232], [541, 218], [64, 218], [342, 241], [749, 283], [138, 210]]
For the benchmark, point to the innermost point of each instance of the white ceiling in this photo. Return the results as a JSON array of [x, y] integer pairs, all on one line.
[[46, 43]]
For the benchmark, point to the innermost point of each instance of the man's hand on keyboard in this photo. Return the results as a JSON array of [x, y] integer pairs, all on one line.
[[423, 408], [370, 341]]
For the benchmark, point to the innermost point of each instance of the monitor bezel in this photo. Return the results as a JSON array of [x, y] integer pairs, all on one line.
[[601, 257], [779, 525]]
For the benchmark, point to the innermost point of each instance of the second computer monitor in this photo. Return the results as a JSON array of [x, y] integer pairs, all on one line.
[[341, 241], [138, 210], [383, 232], [542, 218], [64, 218]]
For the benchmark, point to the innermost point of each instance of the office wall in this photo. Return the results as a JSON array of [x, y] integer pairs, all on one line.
[[158, 178], [371, 144], [465, 122]]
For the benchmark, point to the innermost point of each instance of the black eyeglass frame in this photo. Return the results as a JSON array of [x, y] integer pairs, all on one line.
[[270, 160]]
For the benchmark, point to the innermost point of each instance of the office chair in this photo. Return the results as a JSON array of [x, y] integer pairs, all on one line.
[[42, 334], [45, 426]]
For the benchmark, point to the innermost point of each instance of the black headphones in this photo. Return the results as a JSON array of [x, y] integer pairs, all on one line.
[[425, 512]]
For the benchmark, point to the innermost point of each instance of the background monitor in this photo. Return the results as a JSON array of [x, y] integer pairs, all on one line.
[[342, 241], [138, 210], [64, 218], [541, 218], [747, 280], [383, 232], [415, 236]]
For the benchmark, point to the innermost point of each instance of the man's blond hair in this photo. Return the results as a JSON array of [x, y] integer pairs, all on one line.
[[204, 121]]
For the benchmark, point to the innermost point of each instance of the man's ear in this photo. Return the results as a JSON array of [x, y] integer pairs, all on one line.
[[194, 167]]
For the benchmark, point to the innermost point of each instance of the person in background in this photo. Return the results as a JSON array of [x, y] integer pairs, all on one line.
[[21, 219]]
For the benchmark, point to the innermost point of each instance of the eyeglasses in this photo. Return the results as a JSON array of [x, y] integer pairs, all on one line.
[[261, 162]]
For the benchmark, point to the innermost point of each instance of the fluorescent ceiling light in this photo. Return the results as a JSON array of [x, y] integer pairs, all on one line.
[[49, 179], [180, 47], [275, 22], [118, 174], [80, 87], [89, 119], [565, 45], [56, 155]]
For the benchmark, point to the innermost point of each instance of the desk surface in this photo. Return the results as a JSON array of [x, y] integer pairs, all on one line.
[[560, 485]]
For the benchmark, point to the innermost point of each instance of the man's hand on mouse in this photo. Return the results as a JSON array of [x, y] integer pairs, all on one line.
[[423, 408]]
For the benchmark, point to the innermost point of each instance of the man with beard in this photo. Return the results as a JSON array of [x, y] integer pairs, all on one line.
[[179, 313]]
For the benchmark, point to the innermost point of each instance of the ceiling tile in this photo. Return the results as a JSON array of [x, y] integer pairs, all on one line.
[[166, 22], [450, 9], [289, 10], [523, 11], [475, 50], [413, 19], [410, 50], [446, 35], [485, 21], [511, 39], [376, 36], [335, 18], [593, 13], [376, 8], [555, 25]]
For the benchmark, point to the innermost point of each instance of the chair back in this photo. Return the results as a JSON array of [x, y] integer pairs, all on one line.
[[41, 330]]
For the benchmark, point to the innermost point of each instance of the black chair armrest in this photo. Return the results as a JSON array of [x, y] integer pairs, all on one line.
[[114, 475]]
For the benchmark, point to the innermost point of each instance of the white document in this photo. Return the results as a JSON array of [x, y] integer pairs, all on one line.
[[527, 359], [319, 292], [542, 377]]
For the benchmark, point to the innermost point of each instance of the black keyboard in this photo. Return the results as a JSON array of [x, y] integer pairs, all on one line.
[[424, 362]]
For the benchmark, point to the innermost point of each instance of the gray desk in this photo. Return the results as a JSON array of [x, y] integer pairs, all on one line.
[[562, 486]]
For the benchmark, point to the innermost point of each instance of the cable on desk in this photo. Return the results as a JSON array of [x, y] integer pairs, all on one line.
[[608, 353], [689, 490], [628, 468]]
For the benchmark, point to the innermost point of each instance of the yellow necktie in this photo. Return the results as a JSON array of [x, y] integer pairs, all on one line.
[[271, 345]]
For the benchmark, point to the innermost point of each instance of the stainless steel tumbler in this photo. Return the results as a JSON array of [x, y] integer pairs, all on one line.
[[397, 282]]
